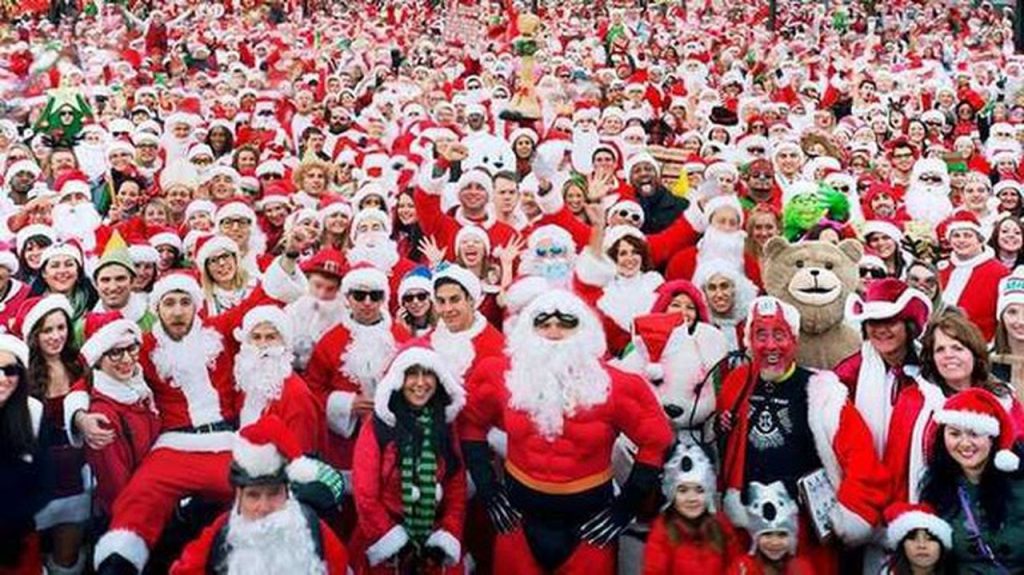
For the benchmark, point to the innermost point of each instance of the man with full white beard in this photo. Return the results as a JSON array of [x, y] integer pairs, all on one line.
[[350, 359], [320, 308], [75, 215], [263, 373], [371, 243], [267, 531], [562, 407], [927, 198], [723, 241]]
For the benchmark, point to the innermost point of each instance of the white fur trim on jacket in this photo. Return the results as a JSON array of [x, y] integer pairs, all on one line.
[[395, 378], [826, 397], [281, 285], [125, 543], [551, 202], [594, 270], [339, 413], [74, 401], [201, 442], [446, 542], [849, 526], [911, 520], [385, 547]]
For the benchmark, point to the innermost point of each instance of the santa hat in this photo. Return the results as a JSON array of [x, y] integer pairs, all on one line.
[[19, 167], [557, 235], [166, 238], [641, 158], [689, 464], [179, 173], [930, 166], [417, 279], [670, 289], [333, 205], [461, 276], [212, 245], [15, 347], [883, 227], [33, 310], [327, 261], [891, 298], [903, 518], [628, 209], [200, 206], [143, 254], [478, 177], [271, 314], [723, 201], [417, 355], [978, 410], [270, 167], [105, 331], [273, 195], [69, 249], [369, 189], [234, 210], [771, 510], [369, 214], [181, 281], [1011, 291], [364, 276], [73, 188], [469, 231], [267, 452], [766, 306], [523, 133], [33, 231], [616, 233], [961, 220]]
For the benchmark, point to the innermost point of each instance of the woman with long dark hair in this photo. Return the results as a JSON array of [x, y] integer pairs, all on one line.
[[974, 482], [26, 477], [53, 367], [61, 272], [409, 481], [406, 228], [31, 241]]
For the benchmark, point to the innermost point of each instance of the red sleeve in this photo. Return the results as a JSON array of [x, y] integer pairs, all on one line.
[[304, 416], [433, 222], [864, 488], [193, 558], [639, 415], [112, 465], [483, 405], [323, 363], [658, 551], [367, 488], [335, 553], [672, 239]]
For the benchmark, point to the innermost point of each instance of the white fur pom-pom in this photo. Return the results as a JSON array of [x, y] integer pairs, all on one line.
[[654, 371], [302, 470], [1007, 460]]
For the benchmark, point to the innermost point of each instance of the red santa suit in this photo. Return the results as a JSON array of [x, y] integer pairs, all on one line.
[[463, 351], [297, 406], [17, 293], [973, 286], [559, 457], [443, 227], [133, 419], [346, 363]]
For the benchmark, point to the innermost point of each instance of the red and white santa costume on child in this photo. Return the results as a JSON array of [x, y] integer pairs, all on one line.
[[377, 481], [194, 389], [783, 421], [972, 284], [562, 407], [348, 361], [617, 297]]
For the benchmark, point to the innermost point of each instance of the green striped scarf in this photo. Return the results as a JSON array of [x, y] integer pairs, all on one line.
[[419, 488]]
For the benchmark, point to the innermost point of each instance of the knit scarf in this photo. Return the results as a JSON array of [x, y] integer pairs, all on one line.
[[419, 477]]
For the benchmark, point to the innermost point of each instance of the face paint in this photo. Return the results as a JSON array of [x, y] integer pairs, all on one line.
[[772, 341]]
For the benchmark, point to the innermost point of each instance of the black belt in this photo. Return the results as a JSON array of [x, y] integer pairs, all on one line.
[[214, 427]]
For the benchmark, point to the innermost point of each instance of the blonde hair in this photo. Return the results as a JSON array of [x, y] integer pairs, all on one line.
[[299, 175]]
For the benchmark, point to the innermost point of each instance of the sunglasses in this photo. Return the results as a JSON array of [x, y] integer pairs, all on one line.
[[411, 297], [930, 179], [755, 150], [118, 353], [902, 156], [360, 295], [760, 176], [565, 320], [271, 177], [12, 370], [235, 222], [631, 216], [873, 273], [553, 251]]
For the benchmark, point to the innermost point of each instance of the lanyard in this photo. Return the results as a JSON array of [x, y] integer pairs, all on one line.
[[974, 532]]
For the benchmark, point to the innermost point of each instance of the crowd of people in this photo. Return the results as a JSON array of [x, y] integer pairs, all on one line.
[[407, 286]]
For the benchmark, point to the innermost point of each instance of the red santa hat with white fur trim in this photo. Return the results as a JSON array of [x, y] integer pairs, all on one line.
[[904, 518], [267, 452], [364, 276], [260, 314], [105, 331], [417, 354], [978, 410]]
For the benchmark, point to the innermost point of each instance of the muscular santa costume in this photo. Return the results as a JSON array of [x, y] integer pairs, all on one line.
[[562, 408], [267, 531], [783, 422], [198, 403]]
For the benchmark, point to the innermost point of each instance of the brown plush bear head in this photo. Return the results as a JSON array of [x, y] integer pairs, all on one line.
[[814, 276]]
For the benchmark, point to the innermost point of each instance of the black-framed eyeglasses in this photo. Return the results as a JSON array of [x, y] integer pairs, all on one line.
[[902, 156], [11, 370], [118, 353], [419, 296], [360, 295], [760, 176], [565, 320]]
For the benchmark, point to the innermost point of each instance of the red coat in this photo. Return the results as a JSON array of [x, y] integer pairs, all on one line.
[[749, 565], [582, 452], [377, 490], [193, 559], [486, 342], [301, 411], [979, 296], [444, 227], [692, 553], [11, 303], [136, 427], [909, 428], [337, 391]]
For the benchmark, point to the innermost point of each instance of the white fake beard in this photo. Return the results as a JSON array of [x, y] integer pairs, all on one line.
[[928, 203], [552, 380], [719, 245], [369, 350], [260, 375], [311, 318], [278, 543], [79, 222], [92, 159], [376, 249]]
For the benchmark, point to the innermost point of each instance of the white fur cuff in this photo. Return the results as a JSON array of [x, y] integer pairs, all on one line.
[[385, 547], [594, 270], [73, 402], [121, 542], [339, 413], [281, 286], [446, 542], [849, 526]]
